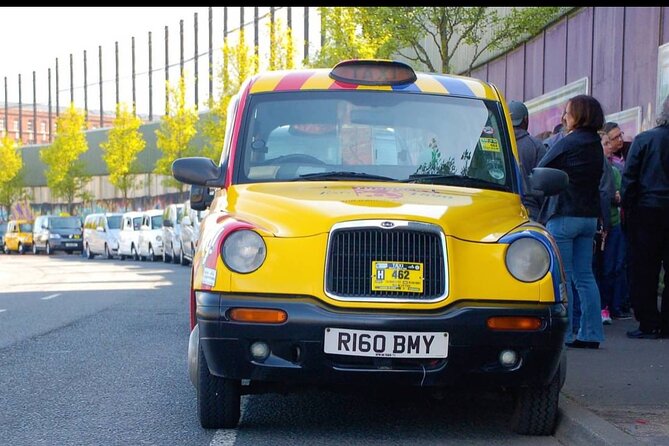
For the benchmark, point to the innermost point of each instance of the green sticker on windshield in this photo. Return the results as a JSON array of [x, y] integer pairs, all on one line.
[[489, 144]]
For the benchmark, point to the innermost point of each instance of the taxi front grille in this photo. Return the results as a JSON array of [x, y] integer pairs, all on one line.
[[351, 251]]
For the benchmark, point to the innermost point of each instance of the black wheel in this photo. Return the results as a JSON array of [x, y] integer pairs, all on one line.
[[122, 256], [218, 399], [47, 249], [133, 253], [175, 259], [89, 254], [536, 408], [152, 255], [21, 249], [35, 251], [108, 253], [166, 259], [68, 252]]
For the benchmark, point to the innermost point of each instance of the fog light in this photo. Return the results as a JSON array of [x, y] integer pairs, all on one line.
[[259, 351], [508, 358]]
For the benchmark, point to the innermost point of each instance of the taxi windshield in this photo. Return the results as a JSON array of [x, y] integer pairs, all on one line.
[[65, 223], [374, 136]]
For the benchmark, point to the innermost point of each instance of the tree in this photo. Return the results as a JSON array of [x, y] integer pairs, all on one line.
[[239, 62], [449, 28], [120, 151], [66, 175], [281, 47], [11, 164], [175, 135]]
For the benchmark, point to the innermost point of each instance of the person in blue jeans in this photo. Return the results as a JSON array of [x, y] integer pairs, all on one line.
[[571, 216]]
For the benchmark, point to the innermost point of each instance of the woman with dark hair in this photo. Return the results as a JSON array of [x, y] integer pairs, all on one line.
[[571, 217]]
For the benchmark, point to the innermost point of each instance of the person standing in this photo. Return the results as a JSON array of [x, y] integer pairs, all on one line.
[[571, 216], [645, 200], [619, 147], [530, 151]]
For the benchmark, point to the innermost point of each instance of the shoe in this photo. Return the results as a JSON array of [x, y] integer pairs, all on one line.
[[622, 316], [577, 343], [638, 334], [606, 318]]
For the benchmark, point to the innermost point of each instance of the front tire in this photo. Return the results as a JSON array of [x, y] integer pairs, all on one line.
[[47, 249], [218, 399], [536, 408], [89, 254], [108, 253], [182, 258], [133, 253], [35, 251], [152, 255]]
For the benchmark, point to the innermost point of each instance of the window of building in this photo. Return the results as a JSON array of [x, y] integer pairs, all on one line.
[[42, 127], [2, 124], [30, 125], [16, 125]]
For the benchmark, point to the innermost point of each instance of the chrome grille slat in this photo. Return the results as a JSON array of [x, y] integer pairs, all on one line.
[[353, 246]]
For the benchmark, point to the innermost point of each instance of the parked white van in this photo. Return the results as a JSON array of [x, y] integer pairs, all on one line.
[[172, 232], [190, 232], [128, 237], [151, 235], [101, 233]]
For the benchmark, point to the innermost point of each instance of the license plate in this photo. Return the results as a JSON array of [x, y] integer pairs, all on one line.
[[397, 276], [386, 344], [71, 245]]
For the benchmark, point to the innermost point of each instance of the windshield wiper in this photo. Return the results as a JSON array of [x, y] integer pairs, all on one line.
[[455, 180], [342, 176]]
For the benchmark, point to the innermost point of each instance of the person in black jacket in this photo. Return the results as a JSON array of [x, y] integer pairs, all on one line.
[[571, 216], [645, 201]]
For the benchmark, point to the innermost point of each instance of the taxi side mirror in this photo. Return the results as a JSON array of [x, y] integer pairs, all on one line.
[[548, 181]]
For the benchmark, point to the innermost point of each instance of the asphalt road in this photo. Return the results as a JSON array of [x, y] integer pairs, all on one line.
[[94, 352]]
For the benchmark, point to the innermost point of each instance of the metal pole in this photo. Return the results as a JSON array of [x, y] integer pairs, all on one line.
[[150, 81], [134, 96], [167, 75], [306, 32], [117, 86], [211, 57], [20, 113], [181, 48], [289, 19], [34, 108], [57, 92], [50, 115], [71, 79], [85, 91], [100, 76], [225, 22], [241, 19], [256, 19], [6, 110], [196, 66]]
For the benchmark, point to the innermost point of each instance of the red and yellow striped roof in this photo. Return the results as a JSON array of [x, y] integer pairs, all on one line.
[[319, 79]]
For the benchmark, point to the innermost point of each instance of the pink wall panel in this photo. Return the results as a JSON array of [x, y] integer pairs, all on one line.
[[607, 58], [497, 73], [515, 75], [579, 45], [534, 67], [555, 56]]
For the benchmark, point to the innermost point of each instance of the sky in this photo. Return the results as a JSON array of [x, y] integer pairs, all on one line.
[[33, 37]]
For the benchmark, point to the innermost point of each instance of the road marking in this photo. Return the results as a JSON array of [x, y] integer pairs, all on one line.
[[2, 311], [51, 297], [227, 437]]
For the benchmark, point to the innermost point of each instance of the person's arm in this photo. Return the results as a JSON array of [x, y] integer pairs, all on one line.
[[629, 189]]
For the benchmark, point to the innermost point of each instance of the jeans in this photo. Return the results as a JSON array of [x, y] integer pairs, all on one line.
[[574, 236], [613, 277]]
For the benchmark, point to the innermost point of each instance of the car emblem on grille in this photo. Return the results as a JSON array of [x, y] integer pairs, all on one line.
[[387, 224]]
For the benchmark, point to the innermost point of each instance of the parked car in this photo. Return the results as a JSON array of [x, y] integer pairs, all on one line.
[[367, 228], [151, 235], [190, 232], [3, 230], [128, 238], [19, 236], [101, 233], [172, 232], [53, 233]]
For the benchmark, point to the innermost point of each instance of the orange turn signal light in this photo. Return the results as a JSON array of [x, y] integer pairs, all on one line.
[[526, 323], [258, 315]]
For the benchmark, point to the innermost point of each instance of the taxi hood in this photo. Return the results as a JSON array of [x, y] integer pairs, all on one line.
[[306, 209]]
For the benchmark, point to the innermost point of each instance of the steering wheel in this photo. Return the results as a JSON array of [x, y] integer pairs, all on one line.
[[294, 158]]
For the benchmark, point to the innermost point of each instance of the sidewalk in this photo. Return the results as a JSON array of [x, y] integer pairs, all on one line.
[[618, 394]]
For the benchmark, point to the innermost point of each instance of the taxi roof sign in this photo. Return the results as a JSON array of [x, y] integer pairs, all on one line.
[[373, 72]]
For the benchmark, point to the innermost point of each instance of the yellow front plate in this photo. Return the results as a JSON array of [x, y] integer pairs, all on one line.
[[405, 277]]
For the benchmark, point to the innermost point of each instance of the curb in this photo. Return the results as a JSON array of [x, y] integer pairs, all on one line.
[[580, 426]]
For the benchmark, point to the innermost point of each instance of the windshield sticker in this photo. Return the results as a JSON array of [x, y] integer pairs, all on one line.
[[487, 130], [208, 276], [490, 144]]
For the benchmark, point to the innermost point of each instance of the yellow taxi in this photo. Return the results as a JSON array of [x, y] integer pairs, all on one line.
[[365, 228], [19, 236]]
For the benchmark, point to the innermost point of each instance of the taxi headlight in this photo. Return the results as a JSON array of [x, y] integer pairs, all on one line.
[[54, 235], [527, 259], [244, 251]]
